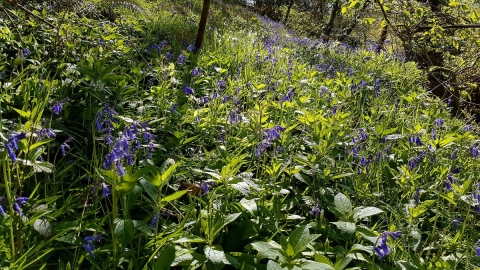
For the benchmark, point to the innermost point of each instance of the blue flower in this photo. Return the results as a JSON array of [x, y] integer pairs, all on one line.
[[448, 186], [64, 146], [468, 128], [181, 59], [288, 96], [17, 208], [416, 197], [89, 247], [10, 152], [205, 186], [455, 224], [315, 211], [188, 90], [477, 251], [154, 220], [439, 122], [105, 190], [121, 172], [383, 250], [195, 72], [58, 107], [26, 51], [2, 211]]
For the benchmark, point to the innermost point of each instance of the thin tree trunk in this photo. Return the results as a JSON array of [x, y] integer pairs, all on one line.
[[288, 12], [383, 37], [329, 27], [202, 25], [352, 26]]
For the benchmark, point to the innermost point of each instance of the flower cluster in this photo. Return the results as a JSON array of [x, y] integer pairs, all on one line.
[[12, 144], [384, 250], [268, 137], [413, 163], [126, 144], [89, 247], [415, 140], [16, 205], [58, 107]]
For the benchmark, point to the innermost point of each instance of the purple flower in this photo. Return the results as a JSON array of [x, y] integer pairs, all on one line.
[[17, 208], [195, 72], [439, 122], [383, 250], [22, 200], [455, 171], [315, 211], [154, 220], [191, 48], [416, 197], [89, 243], [221, 84], [205, 186], [64, 146], [234, 117], [26, 52], [448, 186], [1, 211], [119, 166], [395, 235], [105, 190], [181, 59], [288, 96], [11, 154], [477, 251], [58, 107], [468, 128], [455, 224], [188, 90]]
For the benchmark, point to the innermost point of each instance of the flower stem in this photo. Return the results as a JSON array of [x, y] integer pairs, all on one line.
[[6, 176]]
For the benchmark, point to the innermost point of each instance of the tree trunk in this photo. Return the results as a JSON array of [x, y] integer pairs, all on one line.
[[288, 11], [202, 25], [329, 27]]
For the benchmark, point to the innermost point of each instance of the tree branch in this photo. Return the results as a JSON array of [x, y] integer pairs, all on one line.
[[24, 9]]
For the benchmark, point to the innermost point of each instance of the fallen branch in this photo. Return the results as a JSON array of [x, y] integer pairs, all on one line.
[[24, 9]]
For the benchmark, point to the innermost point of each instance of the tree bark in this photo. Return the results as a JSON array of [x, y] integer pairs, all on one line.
[[329, 27], [288, 11], [202, 25]]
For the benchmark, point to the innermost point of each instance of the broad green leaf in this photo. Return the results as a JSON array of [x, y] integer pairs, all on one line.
[[268, 251], [422, 208], [43, 227], [250, 206], [141, 226], [22, 113], [151, 190], [342, 204], [271, 265], [301, 238], [312, 265], [168, 173], [345, 227], [166, 258], [190, 239], [215, 254], [414, 239], [43, 166], [124, 230], [322, 259], [40, 143], [363, 212]]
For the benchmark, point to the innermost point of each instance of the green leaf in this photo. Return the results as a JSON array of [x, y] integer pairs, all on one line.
[[174, 196], [215, 254], [43, 166], [250, 206], [268, 251], [151, 190], [322, 259], [301, 238], [271, 265], [124, 230], [341, 264], [312, 265], [414, 239], [22, 113], [363, 212], [166, 258], [43, 227], [345, 227], [190, 239], [343, 204]]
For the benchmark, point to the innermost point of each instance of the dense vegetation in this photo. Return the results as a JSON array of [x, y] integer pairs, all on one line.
[[121, 147]]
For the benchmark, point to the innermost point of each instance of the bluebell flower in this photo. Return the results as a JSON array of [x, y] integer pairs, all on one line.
[[10, 152], [439, 122], [205, 186], [474, 150], [455, 224], [395, 235], [89, 247], [195, 72], [64, 146], [2, 212], [315, 211], [188, 90], [434, 134], [26, 51], [468, 128], [17, 208], [383, 250], [288, 96], [334, 110], [119, 166], [181, 59], [105, 190], [154, 220], [448, 186], [477, 251], [58, 107], [221, 84], [235, 117], [376, 87], [191, 48], [455, 171], [416, 197]]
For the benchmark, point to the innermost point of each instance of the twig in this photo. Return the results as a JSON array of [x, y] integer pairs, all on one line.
[[24, 9]]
